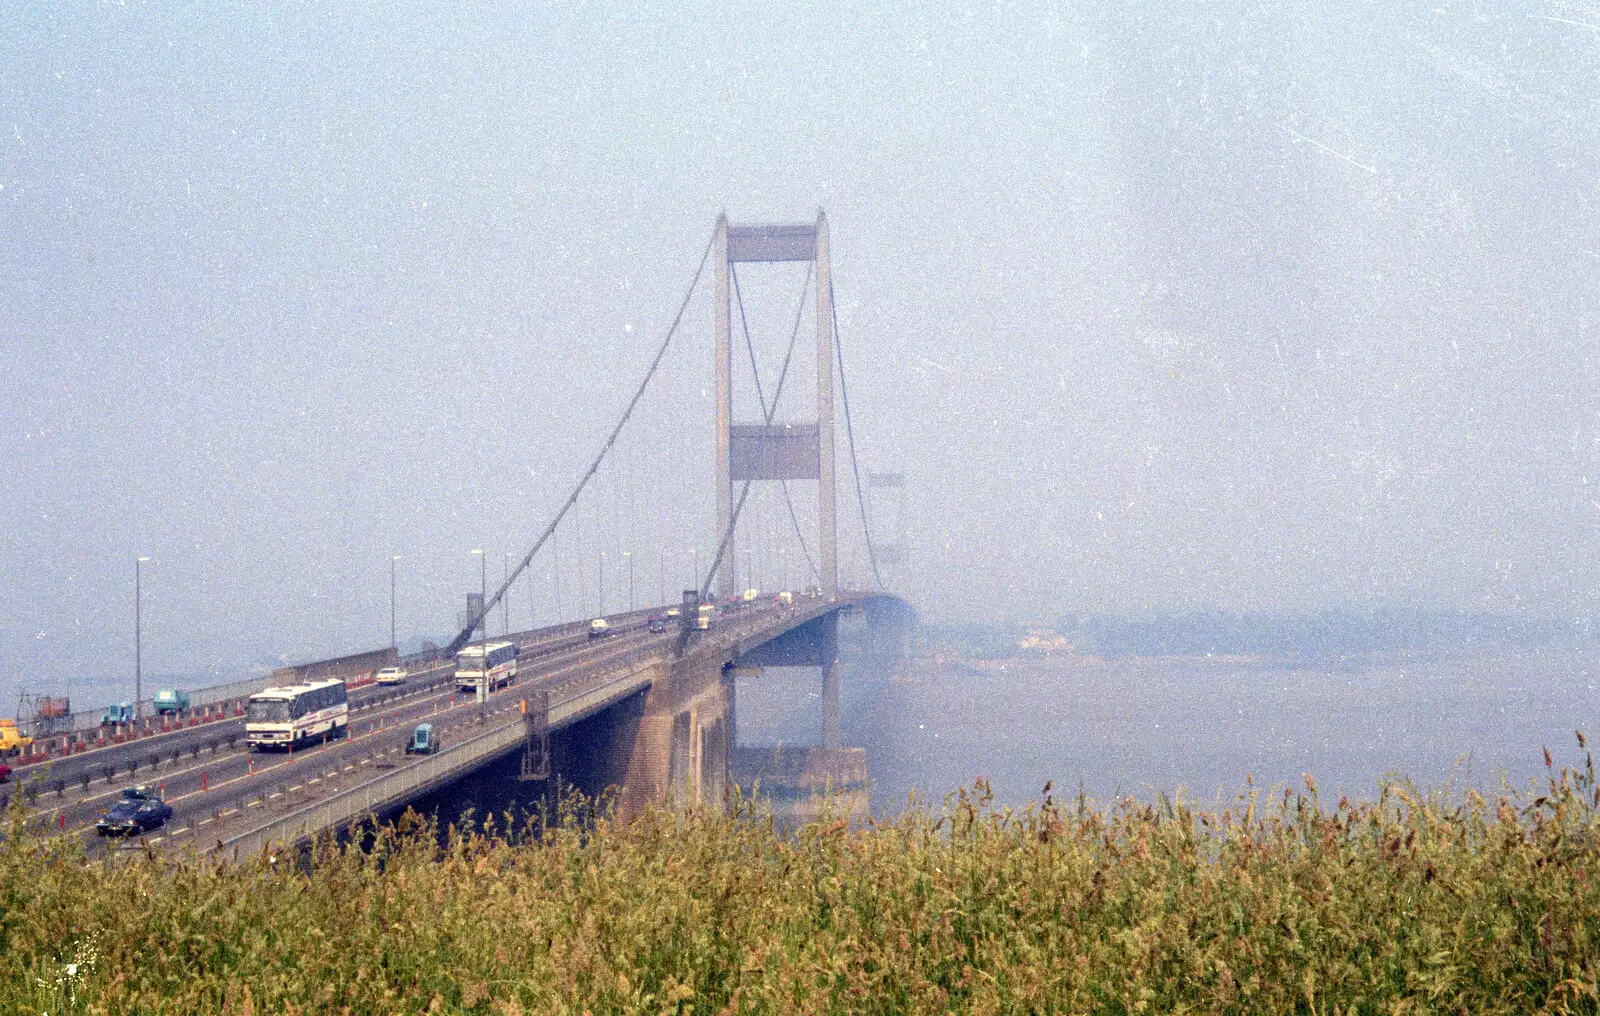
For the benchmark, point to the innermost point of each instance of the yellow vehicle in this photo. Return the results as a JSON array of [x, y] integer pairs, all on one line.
[[12, 740]]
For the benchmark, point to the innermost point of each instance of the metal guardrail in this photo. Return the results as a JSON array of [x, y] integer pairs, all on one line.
[[372, 795], [89, 719]]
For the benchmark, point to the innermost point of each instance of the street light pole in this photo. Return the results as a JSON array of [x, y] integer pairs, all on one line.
[[505, 601], [138, 640], [602, 583], [393, 644], [483, 639], [627, 556], [696, 552], [533, 609]]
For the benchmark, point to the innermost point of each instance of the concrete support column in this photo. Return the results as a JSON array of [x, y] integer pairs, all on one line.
[[730, 678], [675, 748], [830, 705], [714, 762], [696, 746], [647, 755]]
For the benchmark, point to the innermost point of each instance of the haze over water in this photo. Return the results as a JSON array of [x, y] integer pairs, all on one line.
[[1137, 726]]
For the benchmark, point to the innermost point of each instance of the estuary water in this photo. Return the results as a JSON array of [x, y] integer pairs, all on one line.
[[1142, 725]]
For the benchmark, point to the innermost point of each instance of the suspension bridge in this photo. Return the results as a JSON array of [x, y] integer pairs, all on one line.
[[649, 709]]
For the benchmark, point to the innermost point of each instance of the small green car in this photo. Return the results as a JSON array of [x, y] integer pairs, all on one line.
[[423, 740], [170, 701]]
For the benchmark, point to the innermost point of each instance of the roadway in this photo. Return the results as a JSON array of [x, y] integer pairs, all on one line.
[[219, 789], [189, 763], [580, 683], [280, 783]]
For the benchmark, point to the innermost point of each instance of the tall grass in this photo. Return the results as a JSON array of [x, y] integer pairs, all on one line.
[[1274, 903]]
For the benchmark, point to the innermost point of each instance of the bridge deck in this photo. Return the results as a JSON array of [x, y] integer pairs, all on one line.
[[228, 798]]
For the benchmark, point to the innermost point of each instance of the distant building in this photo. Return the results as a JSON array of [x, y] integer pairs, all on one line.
[[1045, 641]]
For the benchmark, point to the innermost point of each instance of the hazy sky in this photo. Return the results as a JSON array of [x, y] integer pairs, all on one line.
[[1232, 305]]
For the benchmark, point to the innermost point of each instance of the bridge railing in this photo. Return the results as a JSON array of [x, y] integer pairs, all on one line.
[[372, 795]]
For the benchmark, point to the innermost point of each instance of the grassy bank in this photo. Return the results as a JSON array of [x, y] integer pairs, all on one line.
[[1281, 903]]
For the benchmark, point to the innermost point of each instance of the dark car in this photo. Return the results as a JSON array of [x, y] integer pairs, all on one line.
[[139, 811], [657, 625]]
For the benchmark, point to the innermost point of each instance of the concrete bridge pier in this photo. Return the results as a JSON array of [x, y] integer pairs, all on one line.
[[680, 746], [830, 705]]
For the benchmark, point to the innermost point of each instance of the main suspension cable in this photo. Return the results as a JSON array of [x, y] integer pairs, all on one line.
[[756, 372], [850, 433], [465, 635]]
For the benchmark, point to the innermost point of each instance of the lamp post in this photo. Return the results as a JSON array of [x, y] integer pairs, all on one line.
[[138, 639], [533, 610], [483, 640], [627, 556], [602, 584], [783, 569], [505, 599], [393, 644], [696, 552]]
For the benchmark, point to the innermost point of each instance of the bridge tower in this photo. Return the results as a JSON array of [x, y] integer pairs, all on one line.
[[770, 451]]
